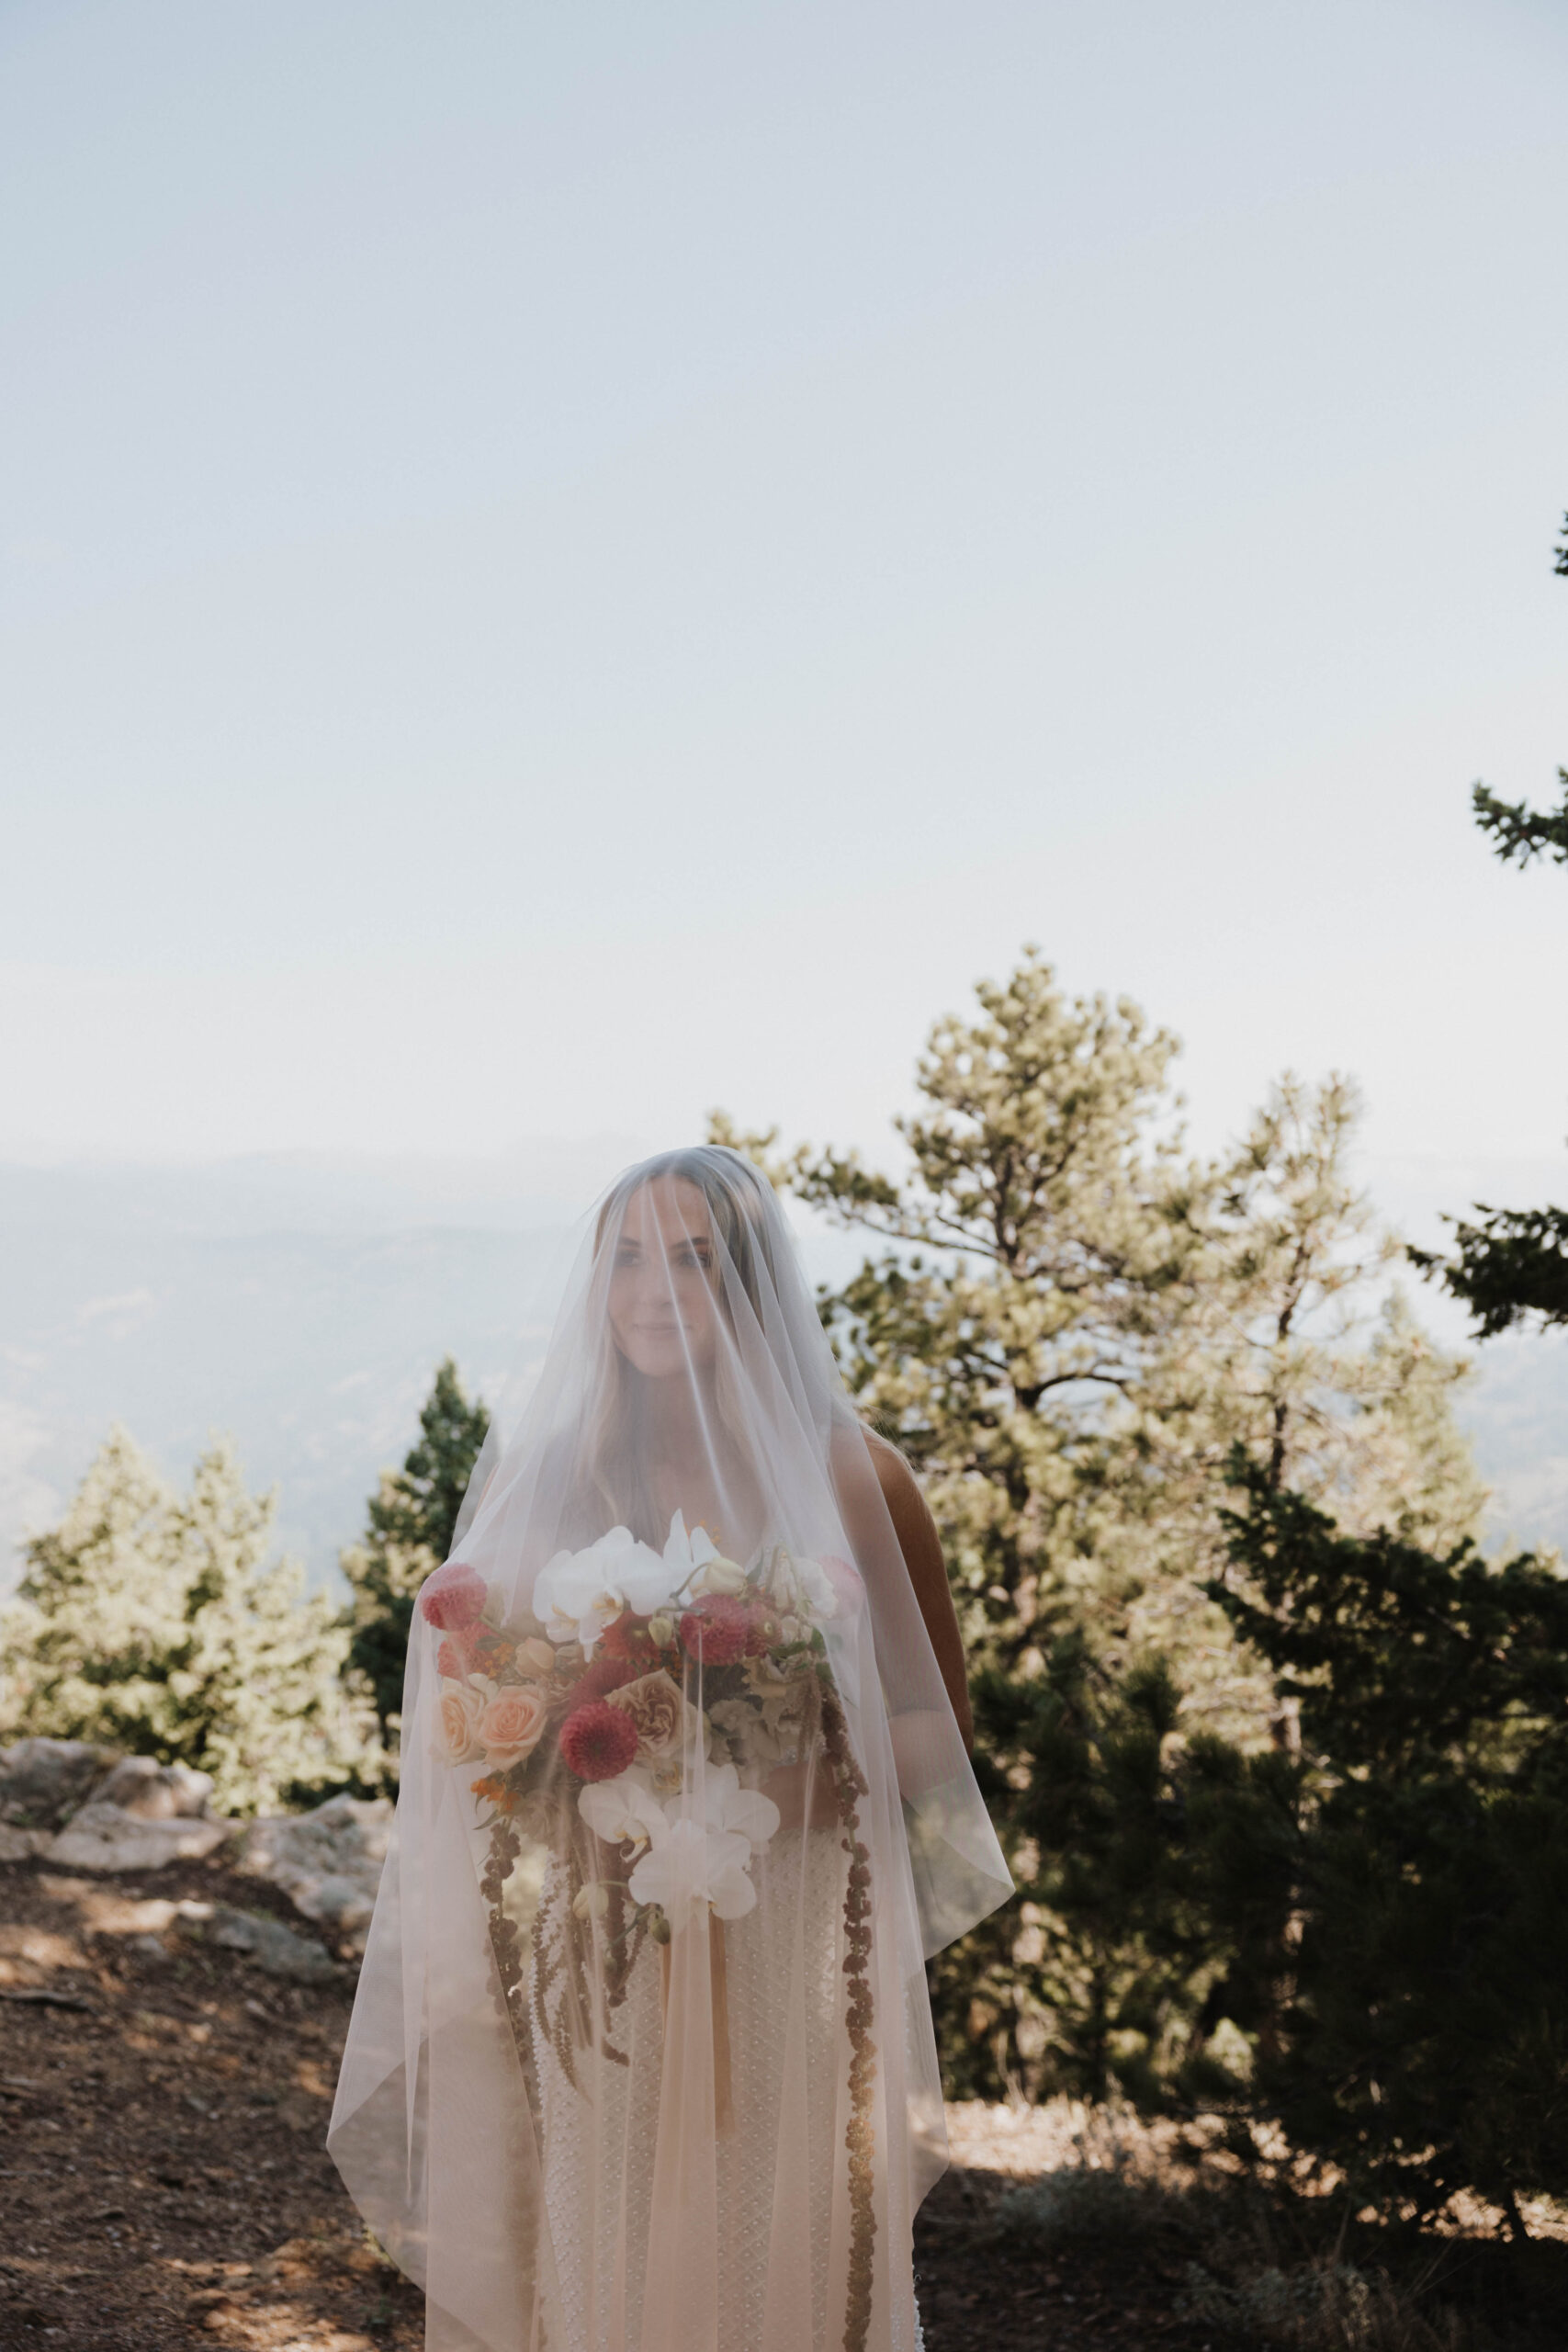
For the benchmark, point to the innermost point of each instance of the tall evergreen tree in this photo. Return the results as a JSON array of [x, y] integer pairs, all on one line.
[[1044, 1239], [1074, 1327], [1358, 1937], [153, 1622], [1512, 1263], [411, 1523], [1077, 1321], [1392, 1901]]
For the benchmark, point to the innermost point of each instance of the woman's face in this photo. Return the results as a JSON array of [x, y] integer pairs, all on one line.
[[662, 1307]]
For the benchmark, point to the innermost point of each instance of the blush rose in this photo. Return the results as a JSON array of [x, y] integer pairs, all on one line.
[[512, 1723], [665, 1723], [458, 1712]]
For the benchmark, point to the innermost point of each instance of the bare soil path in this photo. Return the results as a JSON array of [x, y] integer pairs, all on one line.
[[164, 2182]]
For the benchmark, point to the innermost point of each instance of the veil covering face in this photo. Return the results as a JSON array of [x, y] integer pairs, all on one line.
[[641, 2058]]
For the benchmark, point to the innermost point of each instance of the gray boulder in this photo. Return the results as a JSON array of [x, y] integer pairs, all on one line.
[[154, 1791], [21, 1845], [327, 1861], [43, 1781], [266, 1943], [107, 1837]]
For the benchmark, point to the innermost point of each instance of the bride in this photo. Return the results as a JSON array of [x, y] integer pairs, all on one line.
[[641, 2058]]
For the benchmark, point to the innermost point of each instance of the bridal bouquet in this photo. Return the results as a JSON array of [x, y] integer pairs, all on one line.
[[626, 1715], [650, 1683]]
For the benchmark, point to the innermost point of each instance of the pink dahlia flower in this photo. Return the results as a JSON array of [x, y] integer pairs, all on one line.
[[452, 1598], [602, 1674], [453, 1659], [717, 1630], [598, 1741]]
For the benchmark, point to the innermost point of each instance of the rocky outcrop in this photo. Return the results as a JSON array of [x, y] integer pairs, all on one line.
[[266, 1943], [107, 1837], [21, 1845], [86, 1808], [44, 1782], [154, 1791], [328, 1863], [140, 1815]]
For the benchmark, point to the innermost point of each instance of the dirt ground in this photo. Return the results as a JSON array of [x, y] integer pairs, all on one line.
[[982, 2293], [164, 2183]]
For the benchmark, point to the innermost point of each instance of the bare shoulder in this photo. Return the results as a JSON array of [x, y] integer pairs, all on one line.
[[900, 1489], [892, 1470], [894, 1474], [920, 1544]]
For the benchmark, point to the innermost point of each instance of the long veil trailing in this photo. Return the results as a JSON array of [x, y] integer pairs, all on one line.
[[641, 2059]]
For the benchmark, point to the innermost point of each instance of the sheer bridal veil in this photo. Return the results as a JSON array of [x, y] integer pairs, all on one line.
[[641, 2058]]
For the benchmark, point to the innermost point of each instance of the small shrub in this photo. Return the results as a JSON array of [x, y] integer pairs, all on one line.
[[1082, 2206], [1318, 2307]]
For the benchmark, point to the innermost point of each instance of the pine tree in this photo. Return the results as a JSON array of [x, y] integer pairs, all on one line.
[[412, 1520], [1392, 1902], [1079, 1322], [153, 1622], [1097, 1983], [1276, 1350], [262, 1673], [99, 1612], [1044, 1238], [1074, 1327], [1516, 830], [1513, 1264]]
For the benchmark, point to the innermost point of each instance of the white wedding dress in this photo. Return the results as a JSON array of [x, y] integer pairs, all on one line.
[[634, 2067], [599, 2153]]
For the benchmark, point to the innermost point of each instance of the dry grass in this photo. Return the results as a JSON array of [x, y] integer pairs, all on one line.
[[1260, 2247]]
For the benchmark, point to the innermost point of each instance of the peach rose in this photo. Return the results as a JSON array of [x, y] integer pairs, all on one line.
[[665, 1723], [512, 1723], [458, 1712]]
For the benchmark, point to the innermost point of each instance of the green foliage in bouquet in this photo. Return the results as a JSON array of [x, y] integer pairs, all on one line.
[[153, 1622], [409, 1532]]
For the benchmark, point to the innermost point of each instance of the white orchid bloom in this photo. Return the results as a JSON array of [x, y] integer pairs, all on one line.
[[696, 1863], [733, 1811], [695, 1564], [685, 1555], [577, 1594], [720, 1575], [815, 1587], [622, 1809]]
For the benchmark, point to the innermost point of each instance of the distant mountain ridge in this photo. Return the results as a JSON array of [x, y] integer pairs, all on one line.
[[302, 1306], [535, 1185], [299, 1302]]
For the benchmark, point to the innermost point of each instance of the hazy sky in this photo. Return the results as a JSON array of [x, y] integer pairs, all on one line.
[[562, 565]]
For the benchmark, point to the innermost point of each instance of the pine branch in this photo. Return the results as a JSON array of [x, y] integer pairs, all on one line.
[[1519, 832], [1511, 1265]]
